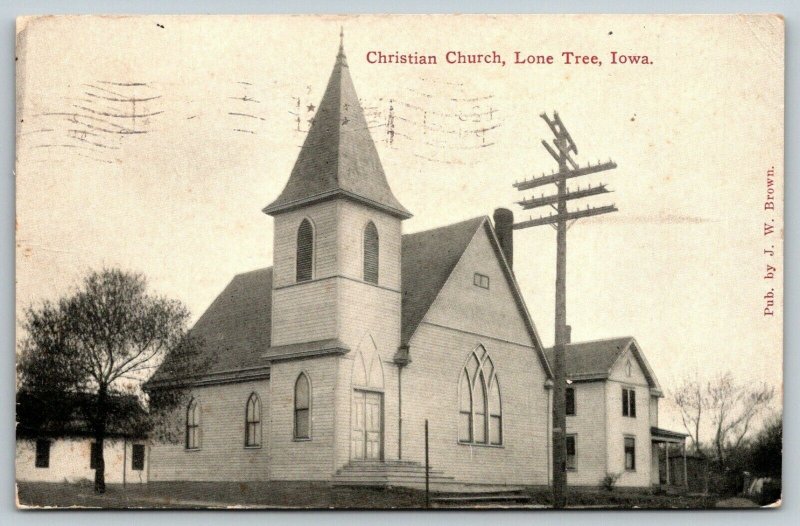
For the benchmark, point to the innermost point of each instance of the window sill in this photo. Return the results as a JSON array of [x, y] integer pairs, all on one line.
[[297, 439], [189, 449], [477, 444], [252, 447]]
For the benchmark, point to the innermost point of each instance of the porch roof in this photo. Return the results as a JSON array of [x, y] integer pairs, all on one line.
[[664, 435]]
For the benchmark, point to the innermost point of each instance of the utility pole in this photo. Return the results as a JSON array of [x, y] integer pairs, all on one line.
[[561, 221]]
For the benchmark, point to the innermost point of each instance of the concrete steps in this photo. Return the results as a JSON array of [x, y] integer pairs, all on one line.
[[510, 498], [389, 473]]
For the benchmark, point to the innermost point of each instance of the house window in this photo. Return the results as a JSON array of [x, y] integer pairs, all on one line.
[[570, 395], [371, 253], [305, 251], [628, 402], [571, 455], [480, 405], [252, 431], [42, 453], [628, 368], [630, 454], [193, 425], [137, 457], [94, 456], [302, 407], [480, 280]]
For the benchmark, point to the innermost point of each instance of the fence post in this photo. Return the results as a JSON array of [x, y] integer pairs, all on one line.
[[427, 470]]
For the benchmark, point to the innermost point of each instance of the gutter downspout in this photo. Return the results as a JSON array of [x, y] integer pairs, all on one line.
[[401, 358]]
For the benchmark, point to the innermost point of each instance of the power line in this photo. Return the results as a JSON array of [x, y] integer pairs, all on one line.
[[562, 150]]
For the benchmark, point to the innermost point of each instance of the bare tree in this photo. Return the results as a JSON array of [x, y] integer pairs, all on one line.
[[104, 340], [689, 399], [733, 408], [728, 407]]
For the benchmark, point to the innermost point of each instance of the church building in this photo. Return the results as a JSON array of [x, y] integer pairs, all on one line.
[[330, 362]]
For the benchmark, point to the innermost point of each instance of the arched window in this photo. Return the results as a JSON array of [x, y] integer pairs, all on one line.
[[371, 253], [193, 425], [480, 405], [305, 251], [302, 407], [252, 431]]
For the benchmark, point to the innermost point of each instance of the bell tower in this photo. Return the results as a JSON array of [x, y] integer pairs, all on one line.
[[337, 234]]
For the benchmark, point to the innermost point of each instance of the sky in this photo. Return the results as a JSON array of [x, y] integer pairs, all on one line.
[[172, 183]]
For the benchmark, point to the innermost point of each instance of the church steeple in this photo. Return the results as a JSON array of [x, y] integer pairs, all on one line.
[[338, 157]]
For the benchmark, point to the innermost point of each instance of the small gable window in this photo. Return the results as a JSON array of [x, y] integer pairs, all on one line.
[[371, 253], [480, 280], [570, 395], [480, 405], [252, 431], [193, 425], [628, 368], [628, 402], [302, 407], [305, 251], [42, 453]]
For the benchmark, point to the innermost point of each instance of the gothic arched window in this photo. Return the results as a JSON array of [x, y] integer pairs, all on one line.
[[193, 425], [305, 251], [371, 253], [480, 405], [302, 407], [252, 430]]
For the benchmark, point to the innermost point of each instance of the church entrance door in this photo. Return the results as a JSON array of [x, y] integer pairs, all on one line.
[[366, 441]]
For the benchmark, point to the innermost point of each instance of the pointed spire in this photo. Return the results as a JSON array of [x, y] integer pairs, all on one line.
[[341, 58], [338, 157]]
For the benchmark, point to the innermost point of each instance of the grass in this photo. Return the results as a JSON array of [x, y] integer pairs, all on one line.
[[193, 495], [586, 498]]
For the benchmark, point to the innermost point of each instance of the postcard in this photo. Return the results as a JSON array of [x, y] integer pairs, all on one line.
[[383, 261]]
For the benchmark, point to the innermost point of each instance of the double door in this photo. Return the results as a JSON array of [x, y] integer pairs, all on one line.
[[366, 442]]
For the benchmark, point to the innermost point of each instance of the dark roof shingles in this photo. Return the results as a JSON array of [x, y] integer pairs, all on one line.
[[591, 358], [338, 155]]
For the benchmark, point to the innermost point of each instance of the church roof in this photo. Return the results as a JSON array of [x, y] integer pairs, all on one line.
[[237, 325], [428, 258], [593, 360], [338, 157]]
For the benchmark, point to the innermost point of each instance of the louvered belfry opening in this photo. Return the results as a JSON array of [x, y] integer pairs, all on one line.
[[371, 253], [305, 251]]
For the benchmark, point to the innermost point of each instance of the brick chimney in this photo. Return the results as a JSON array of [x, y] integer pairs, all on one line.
[[503, 226]]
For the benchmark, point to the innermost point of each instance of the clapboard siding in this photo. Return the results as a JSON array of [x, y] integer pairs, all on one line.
[[303, 459], [619, 426], [323, 217], [463, 305], [353, 218], [588, 426], [222, 455], [369, 312], [304, 313], [430, 391]]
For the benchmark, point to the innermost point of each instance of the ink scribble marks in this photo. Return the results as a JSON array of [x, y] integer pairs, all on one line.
[[94, 117], [442, 121], [241, 110], [310, 108], [161, 26]]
